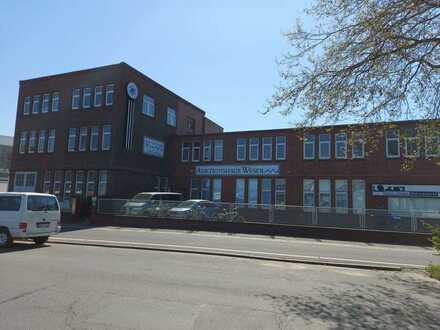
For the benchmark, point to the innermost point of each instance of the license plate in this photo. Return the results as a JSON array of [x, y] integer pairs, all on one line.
[[43, 224]]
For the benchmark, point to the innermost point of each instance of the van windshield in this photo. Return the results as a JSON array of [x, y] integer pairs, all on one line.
[[10, 203], [42, 203]]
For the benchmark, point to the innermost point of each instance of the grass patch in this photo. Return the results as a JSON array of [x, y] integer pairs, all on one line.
[[434, 271]]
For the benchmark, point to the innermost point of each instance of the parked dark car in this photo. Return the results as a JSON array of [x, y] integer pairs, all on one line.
[[151, 204], [196, 209]]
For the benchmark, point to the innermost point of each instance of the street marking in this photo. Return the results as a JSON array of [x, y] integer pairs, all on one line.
[[277, 240], [172, 246]]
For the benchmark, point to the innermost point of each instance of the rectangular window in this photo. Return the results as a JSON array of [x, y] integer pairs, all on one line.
[[253, 148], [341, 190], [97, 101], [87, 98], [25, 181], [411, 144], [171, 117], [341, 145], [106, 137], [324, 193], [45, 108], [79, 183], [55, 102], [186, 147], [51, 140], [67, 189], [71, 145], [76, 98], [252, 192], [91, 183], [280, 148], [195, 189], [196, 151], [83, 131], [239, 191], [432, 146], [358, 194], [324, 146], [57, 182], [358, 146], [267, 148], [241, 149], [217, 190], [36, 104], [218, 150], [309, 146], [206, 188], [23, 141], [207, 146], [309, 192], [94, 138], [41, 141], [102, 183], [392, 143], [190, 124], [27, 105], [32, 142], [148, 106], [266, 191], [280, 191], [47, 182], [109, 94]]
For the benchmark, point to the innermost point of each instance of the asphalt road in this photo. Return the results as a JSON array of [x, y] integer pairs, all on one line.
[[81, 287], [299, 248]]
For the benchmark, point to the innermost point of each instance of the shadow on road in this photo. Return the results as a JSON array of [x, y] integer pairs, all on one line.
[[22, 246]]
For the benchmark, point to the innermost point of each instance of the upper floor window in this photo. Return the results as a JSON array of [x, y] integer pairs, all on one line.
[[341, 145], [41, 141], [51, 140], [324, 146], [280, 152], [186, 147], [23, 141], [358, 146], [55, 102], [241, 149], [27, 105], [45, 108], [171, 117], [94, 138], [83, 131], [218, 150], [109, 94], [267, 148], [411, 144], [207, 145], [432, 145], [106, 137], [97, 101], [309, 146], [36, 104], [196, 151], [392, 143], [32, 141], [71, 145], [253, 148], [87, 98], [76, 98], [148, 106]]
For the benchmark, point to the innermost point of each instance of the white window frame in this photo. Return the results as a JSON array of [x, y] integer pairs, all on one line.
[[267, 142], [325, 192], [328, 142], [339, 192], [218, 149], [27, 105], [55, 102], [307, 192], [51, 140], [23, 142], [171, 117], [109, 94], [266, 191], [186, 146], [241, 145], [195, 146], [32, 141], [25, 176], [67, 191], [106, 132], [41, 141], [45, 103], [207, 150], [148, 106], [87, 96], [406, 140], [254, 145], [91, 180], [36, 104], [358, 137], [280, 192], [341, 140], [98, 91], [281, 144], [94, 134], [76, 98], [432, 137], [82, 141], [305, 143], [71, 141], [387, 140]]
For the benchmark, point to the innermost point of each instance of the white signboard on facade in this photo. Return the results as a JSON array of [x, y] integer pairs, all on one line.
[[153, 147], [406, 190], [238, 170]]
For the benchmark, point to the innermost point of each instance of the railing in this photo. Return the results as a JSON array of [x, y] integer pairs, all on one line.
[[368, 219]]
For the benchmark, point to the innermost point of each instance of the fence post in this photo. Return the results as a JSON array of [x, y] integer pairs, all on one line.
[[315, 216], [271, 214]]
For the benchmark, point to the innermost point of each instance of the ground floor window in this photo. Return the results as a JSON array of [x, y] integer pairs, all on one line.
[[324, 193], [358, 187], [47, 182], [217, 190], [239, 191], [425, 207], [195, 189], [280, 191], [25, 181], [341, 190], [91, 183], [206, 188], [79, 183], [266, 192], [309, 192], [252, 192], [102, 183], [67, 189], [58, 177]]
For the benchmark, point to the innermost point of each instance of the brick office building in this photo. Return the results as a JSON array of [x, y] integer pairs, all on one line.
[[111, 131]]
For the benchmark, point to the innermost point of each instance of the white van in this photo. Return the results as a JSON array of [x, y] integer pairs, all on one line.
[[28, 215]]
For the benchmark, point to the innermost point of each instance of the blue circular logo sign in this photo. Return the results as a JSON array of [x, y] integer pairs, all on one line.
[[132, 90]]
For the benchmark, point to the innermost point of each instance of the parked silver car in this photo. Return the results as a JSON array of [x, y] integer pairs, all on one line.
[[151, 204]]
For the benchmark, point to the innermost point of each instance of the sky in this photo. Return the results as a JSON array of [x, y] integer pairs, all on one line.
[[221, 57]]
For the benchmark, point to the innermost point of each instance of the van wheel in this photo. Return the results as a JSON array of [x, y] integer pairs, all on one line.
[[41, 240], [5, 238]]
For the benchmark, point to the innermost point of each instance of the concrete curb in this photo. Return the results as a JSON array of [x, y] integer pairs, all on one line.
[[225, 253]]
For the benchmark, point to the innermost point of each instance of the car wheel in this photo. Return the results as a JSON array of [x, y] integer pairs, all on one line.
[[5, 238], [40, 240]]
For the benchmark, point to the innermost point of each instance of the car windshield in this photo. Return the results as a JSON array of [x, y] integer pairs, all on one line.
[[142, 197], [187, 204]]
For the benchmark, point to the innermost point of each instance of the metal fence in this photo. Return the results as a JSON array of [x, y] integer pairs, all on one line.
[[368, 219]]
